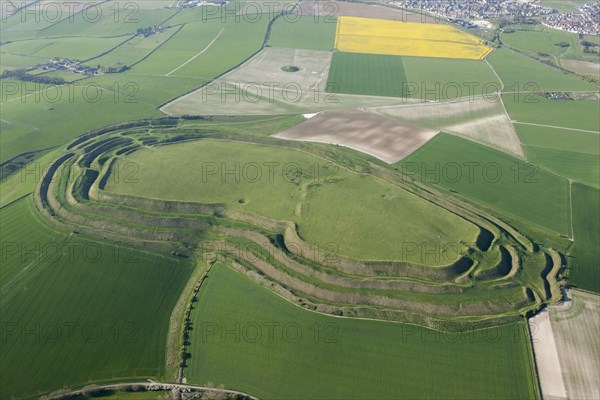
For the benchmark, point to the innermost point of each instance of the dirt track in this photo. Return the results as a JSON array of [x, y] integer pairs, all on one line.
[[387, 139]]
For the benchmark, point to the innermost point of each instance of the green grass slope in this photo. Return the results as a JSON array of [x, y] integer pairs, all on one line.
[[247, 338], [83, 312], [330, 205], [522, 192]]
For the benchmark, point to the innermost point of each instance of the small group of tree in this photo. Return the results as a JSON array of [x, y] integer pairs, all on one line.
[[22, 75], [562, 44]]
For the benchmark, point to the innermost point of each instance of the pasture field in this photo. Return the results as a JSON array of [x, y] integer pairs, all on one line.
[[305, 33], [522, 74], [93, 312], [343, 358], [377, 36], [370, 74], [81, 48], [108, 19], [534, 40], [189, 40], [133, 51], [316, 201], [564, 5], [237, 42], [14, 61], [583, 261], [523, 192], [535, 109], [477, 119]]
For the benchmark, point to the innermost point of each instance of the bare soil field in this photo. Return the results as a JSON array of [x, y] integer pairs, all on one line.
[[342, 8], [269, 83], [567, 347], [546, 357], [367, 132], [479, 120], [576, 324], [582, 67]]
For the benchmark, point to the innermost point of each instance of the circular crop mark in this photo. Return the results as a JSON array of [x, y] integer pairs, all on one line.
[[290, 68]]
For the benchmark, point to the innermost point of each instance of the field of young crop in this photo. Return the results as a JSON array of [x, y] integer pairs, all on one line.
[[523, 192], [302, 189], [305, 32], [81, 310], [370, 74], [584, 271], [536, 109], [377, 36], [426, 78], [238, 324]]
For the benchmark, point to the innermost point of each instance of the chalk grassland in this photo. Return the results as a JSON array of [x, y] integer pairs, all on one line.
[[575, 325], [306, 32], [206, 49], [433, 79], [134, 50], [375, 36], [72, 48], [320, 206], [533, 200], [245, 91], [62, 18], [521, 74], [94, 311], [344, 358], [584, 270], [538, 39], [102, 99], [476, 119], [364, 131]]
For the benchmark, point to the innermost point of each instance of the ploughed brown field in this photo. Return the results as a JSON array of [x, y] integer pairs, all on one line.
[[383, 138]]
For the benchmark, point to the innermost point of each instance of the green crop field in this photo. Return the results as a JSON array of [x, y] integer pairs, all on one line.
[[376, 75], [418, 77], [342, 358], [300, 188], [535, 109], [585, 272], [82, 311], [308, 32], [522, 191], [522, 74]]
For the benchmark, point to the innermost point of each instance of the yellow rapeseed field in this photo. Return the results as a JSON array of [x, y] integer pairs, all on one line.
[[378, 36]]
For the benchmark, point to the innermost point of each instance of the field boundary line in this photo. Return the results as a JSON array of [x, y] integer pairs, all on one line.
[[555, 127], [199, 54], [158, 47]]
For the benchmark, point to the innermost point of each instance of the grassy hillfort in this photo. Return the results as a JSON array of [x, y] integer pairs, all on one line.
[[272, 200]]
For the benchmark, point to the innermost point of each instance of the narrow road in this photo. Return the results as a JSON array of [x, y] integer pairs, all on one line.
[[150, 385], [555, 127]]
